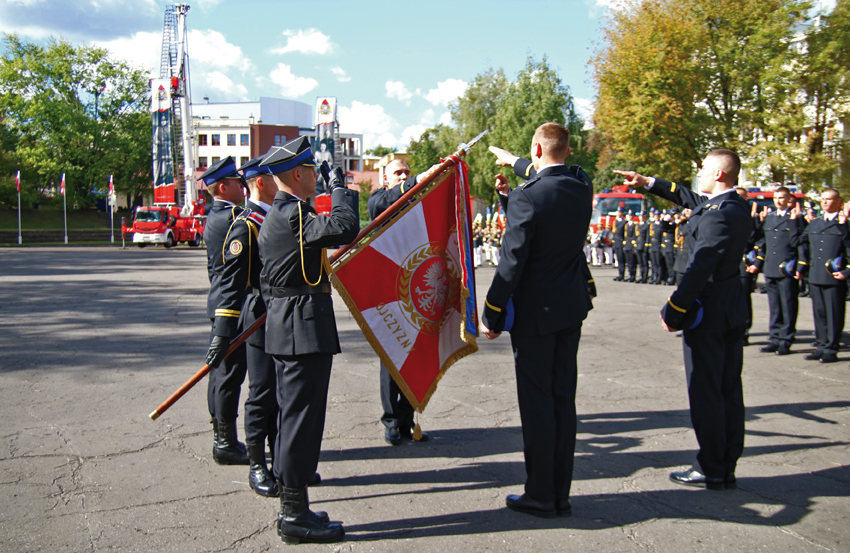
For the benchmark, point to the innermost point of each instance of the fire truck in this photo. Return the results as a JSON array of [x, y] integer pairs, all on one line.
[[173, 146], [605, 204]]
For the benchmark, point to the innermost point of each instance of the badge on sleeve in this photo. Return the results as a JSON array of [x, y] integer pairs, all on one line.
[[236, 247]]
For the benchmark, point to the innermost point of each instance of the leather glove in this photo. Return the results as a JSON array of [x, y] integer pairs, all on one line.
[[217, 351], [336, 180], [325, 171]]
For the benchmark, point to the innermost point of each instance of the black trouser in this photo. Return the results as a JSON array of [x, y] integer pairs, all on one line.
[[261, 408], [225, 384], [398, 412], [828, 306], [302, 394], [631, 261], [747, 282], [669, 262], [621, 261], [783, 303], [643, 263], [658, 270], [713, 362], [546, 372]]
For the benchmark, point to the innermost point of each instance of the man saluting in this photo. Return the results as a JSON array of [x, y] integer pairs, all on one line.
[[709, 307]]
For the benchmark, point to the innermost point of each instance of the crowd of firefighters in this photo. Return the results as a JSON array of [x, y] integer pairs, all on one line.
[[487, 241]]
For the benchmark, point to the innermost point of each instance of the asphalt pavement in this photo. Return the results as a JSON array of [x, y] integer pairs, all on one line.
[[93, 339]]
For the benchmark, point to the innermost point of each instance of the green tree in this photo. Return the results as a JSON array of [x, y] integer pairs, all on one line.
[[380, 151], [74, 110], [426, 150]]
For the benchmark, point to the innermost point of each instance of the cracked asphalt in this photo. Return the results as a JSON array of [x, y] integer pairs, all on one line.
[[93, 339]]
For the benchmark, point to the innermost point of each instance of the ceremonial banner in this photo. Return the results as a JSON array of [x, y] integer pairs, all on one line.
[[163, 141], [411, 287]]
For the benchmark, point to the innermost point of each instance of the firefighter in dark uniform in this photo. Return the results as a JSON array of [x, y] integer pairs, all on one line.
[[682, 253], [642, 248], [618, 229], [656, 236], [825, 239], [717, 232], [668, 246], [224, 184], [240, 285], [301, 330], [748, 280], [781, 238], [630, 246]]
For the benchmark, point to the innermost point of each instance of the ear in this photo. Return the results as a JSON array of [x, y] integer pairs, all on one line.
[[539, 152]]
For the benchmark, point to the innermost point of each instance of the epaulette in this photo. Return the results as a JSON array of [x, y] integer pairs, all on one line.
[[529, 182]]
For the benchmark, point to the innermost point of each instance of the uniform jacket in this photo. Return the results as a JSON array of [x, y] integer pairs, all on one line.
[[821, 242], [215, 230], [382, 197], [642, 236], [303, 323], [779, 243], [630, 242], [716, 236], [619, 231], [656, 234], [543, 267]]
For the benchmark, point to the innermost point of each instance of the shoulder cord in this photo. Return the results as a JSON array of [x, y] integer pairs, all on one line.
[[324, 262]]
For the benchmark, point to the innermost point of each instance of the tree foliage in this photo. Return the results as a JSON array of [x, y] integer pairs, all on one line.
[[380, 151], [677, 78], [512, 111], [76, 111]]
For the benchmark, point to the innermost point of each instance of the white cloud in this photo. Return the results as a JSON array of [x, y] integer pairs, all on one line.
[[212, 49], [446, 91], [142, 50], [370, 120], [585, 110], [396, 89], [428, 117], [340, 74], [412, 132], [79, 20], [306, 41], [446, 118], [220, 81], [291, 85]]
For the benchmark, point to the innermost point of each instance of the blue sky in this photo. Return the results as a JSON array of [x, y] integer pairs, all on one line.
[[393, 66]]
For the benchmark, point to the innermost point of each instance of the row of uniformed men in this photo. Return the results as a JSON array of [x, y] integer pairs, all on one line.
[[655, 246], [269, 258]]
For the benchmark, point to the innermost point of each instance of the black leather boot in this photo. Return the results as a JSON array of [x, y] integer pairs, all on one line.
[[296, 523], [258, 473], [227, 450]]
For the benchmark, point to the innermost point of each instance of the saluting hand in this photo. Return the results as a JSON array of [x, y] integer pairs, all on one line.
[[632, 178], [503, 157], [763, 213], [755, 211]]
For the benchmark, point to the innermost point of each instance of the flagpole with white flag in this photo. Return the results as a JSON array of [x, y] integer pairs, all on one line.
[[18, 186], [110, 200], [65, 207]]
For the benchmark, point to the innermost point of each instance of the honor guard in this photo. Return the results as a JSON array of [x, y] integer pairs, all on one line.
[[656, 235], [642, 247], [241, 295], [301, 330], [224, 184], [823, 254], [618, 228], [668, 246], [630, 246]]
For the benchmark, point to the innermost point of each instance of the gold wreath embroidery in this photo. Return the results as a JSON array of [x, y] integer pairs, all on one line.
[[405, 273]]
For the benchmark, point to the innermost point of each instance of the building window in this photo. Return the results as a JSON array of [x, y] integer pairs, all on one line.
[[202, 140], [280, 140], [202, 162], [216, 140], [243, 160], [231, 140], [243, 140], [215, 159]]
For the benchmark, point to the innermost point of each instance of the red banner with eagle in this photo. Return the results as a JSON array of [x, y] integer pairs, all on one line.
[[411, 287]]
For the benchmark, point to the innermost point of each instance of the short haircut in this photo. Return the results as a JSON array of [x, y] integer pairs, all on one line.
[[782, 189], [833, 190], [399, 160], [729, 162], [554, 139]]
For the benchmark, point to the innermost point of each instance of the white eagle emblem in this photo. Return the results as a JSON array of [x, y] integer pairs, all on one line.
[[433, 297]]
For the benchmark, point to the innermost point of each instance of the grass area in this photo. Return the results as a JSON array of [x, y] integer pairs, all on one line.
[[53, 219]]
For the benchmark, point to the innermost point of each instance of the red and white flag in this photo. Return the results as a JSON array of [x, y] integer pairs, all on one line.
[[411, 287], [111, 188], [62, 185], [18, 181]]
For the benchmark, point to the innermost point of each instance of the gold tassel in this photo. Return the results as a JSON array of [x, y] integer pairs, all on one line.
[[417, 432]]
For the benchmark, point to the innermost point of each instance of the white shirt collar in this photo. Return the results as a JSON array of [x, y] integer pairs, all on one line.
[[830, 216], [550, 165], [264, 205]]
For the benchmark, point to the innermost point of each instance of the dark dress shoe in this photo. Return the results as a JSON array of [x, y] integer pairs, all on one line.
[[693, 477], [618, 279], [563, 509], [770, 348], [730, 482], [829, 358], [392, 436], [814, 356], [524, 504], [783, 350], [409, 436], [314, 480]]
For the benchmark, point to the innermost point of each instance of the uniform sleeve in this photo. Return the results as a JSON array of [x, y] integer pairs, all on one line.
[[803, 252], [588, 277], [381, 199], [797, 225], [524, 169], [846, 251], [679, 195], [234, 278], [341, 227], [515, 243], [714, 237], [760, 243]]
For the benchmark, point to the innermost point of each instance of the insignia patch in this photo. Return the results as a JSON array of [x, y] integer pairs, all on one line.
[[426, 287], [236, 247]]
